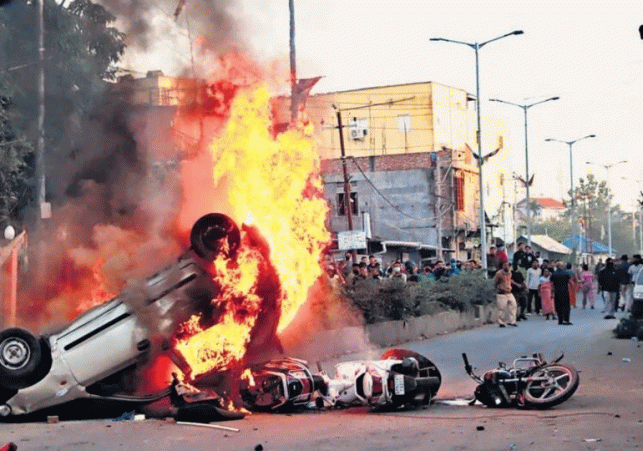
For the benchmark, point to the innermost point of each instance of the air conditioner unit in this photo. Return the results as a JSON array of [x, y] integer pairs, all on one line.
[[357, 133]]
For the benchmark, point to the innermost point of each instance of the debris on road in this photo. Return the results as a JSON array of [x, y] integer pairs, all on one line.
[[51, 419], [592, 440], [207, 425], [626, 360], [479, 428]]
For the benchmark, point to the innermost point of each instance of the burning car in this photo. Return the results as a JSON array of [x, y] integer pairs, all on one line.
[[93, 356]]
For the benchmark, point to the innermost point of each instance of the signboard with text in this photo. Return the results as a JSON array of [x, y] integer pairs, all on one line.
[[352, 239]]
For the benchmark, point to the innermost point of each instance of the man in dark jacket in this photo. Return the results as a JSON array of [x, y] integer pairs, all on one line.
[[608, 280], [560, 279], [518, 289], [527, 258]]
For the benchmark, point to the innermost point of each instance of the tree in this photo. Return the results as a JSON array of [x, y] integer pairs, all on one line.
[[80, 56], [16, 159]]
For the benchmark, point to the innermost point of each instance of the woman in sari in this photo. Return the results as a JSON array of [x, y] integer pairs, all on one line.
[[546, 295], [573, 286], [587, 284]]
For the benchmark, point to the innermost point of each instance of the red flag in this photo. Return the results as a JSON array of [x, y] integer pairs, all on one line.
[[302, 90], [304, 85]]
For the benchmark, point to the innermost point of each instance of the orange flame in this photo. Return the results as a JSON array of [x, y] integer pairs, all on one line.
[[271, 183], [274, 184]]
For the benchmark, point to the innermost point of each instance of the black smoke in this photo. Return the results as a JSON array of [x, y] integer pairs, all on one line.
[[213, 19]]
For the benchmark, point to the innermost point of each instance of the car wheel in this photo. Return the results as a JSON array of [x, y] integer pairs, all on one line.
[[20, 358], [213, 234]]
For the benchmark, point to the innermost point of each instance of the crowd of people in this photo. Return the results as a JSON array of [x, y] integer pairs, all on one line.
[[552, 288], [526, 285], [370, 268]]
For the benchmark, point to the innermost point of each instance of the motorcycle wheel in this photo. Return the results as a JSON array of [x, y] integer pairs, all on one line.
[[427, 368], [563, 382]]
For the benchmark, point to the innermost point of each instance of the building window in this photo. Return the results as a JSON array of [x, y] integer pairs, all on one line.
[[459, 192], [341, 211]]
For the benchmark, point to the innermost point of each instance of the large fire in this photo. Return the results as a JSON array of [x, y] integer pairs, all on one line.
[[267, 182], [271, 183]]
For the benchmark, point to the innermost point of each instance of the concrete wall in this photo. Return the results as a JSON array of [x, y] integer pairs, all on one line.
[[409, 190], [332, 343]]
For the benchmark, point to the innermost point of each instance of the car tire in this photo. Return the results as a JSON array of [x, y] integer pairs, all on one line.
[[21, 359], [213, 234]]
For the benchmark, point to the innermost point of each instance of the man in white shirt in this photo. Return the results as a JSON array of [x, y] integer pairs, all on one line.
[[633, 271], [533, 276]]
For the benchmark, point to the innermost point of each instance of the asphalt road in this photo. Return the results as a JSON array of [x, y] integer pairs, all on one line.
[[606, 412]]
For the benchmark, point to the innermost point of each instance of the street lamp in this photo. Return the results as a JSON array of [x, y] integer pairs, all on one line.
[[609, 200], [571, 178], [639, 206], [476, 47], [525, 108]]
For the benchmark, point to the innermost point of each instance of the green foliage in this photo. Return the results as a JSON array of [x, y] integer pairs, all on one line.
[[391, 299], [16, 176], [81, 51]]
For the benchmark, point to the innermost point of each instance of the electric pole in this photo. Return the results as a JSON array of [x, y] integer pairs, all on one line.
[[348, 207], [293, 66]]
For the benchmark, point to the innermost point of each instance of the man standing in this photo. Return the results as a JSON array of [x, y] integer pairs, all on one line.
[[492, 262], [518, 289], [608, 281], [560, 279], [624, 281], [528, 258], [533, 281], [633, 270], [506, 302]]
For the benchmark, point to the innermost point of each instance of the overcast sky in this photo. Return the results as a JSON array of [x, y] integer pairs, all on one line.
[[589, 54]]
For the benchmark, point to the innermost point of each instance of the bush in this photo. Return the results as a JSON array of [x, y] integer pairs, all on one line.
[[391, 299]]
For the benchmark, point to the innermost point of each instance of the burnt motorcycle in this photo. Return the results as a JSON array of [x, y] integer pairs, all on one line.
[[531, 382], [401, 378]]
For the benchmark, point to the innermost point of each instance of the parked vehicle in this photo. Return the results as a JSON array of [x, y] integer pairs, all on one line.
[[530, 382], [90, 358], [401, 378]]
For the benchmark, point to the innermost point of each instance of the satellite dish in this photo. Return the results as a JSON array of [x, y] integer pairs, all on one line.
[[9, 233]]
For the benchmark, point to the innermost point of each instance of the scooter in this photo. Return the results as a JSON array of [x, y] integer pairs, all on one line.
[[401, 378]]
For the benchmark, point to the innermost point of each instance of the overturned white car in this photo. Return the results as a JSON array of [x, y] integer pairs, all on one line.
[[94, 355]]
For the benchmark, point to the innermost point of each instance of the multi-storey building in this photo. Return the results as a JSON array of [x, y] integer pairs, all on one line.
[[413, 175]]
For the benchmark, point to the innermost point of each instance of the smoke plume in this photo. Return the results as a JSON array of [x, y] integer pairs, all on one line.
[[146, 21]]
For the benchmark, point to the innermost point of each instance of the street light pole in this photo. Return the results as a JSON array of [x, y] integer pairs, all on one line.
[[525, 108], [571, 180], [609, 201], [476, 47]]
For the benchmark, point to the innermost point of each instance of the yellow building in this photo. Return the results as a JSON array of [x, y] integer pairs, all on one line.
[[419, 126]]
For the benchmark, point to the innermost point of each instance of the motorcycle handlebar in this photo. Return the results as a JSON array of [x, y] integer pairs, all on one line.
[[467, 367]]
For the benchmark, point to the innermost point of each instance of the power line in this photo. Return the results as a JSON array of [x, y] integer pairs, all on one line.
[[385, 198]]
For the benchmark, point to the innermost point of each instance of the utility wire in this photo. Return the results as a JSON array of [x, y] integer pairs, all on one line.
[[384, 197]]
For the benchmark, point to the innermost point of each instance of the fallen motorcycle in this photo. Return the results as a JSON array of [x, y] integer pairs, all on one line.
[[401, 378], [530, 382]]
